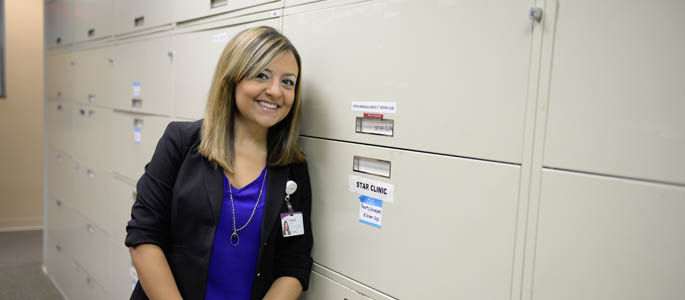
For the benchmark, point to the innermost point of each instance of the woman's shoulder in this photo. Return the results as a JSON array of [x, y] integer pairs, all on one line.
[[182, 135]]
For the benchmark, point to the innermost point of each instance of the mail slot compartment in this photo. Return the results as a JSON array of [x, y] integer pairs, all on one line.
[[370, 238], [59, 129], [60, 76], [621, 114], [60, 268], [135, 15], [135, 137], [92, 19], [94, 77], [196, 56], [449, 81], [142, 75], [193, 9], [608, 238]]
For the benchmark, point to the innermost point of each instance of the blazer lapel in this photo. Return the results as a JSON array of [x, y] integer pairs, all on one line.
[[275, 191], [214, 183]]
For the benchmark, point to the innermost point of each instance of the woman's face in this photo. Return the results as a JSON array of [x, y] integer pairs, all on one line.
[[266, 99]]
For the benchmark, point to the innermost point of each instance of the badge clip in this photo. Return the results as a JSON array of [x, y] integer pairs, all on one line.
[[290, 188]]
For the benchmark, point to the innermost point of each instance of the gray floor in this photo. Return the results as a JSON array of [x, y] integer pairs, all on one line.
[[21, 277]]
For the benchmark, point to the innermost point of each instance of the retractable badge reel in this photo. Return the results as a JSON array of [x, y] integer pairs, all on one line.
[[291, 222]]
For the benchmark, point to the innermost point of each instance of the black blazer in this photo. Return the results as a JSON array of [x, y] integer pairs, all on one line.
[[178, 206]]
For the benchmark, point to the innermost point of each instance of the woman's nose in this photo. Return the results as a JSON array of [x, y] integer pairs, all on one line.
[[274, 90]]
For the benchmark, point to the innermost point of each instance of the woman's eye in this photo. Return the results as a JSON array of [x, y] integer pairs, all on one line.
[[288, 82], [263, 76]]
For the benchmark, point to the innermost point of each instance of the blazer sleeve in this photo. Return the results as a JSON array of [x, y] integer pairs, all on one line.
[[294, 253], [150, 215]]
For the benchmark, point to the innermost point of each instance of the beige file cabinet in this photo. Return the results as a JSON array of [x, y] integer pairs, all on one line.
[[608, 238], [60, 76], [59, 22], [449, 231], [458, 79], [92, 135], [93, 83], [196, 56], [84, 286], [616, 94], [135, 15], [92, 19], [193, 9], [60, 125], [147, 62], [133, 155]]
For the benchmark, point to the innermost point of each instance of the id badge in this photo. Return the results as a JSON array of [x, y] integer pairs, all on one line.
[[292, 224]]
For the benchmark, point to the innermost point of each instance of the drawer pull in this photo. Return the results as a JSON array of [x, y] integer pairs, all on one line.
[[139, 21], [371, 166], [59, 40], [217, 3], [137, 103], [59, 248], [91, 32], [90, 228], [385, 127], [59, 203], [59, 107], [90, 174]]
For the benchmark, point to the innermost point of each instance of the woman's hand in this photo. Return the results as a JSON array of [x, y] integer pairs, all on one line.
[[284, 288]]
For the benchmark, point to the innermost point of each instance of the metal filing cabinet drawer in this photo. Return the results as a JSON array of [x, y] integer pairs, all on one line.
[[93, 19], [471, 254], [92, 253], [60, 76], [60, 125], [458, 82], [196, 56], [94, 77], [607, 238], [136, 137], [618, 114], [136, 15], [142, 75], [92, 135], [193, 9]]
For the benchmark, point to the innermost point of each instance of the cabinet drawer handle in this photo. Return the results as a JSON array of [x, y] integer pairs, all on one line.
[[139, 21], [91, 32]]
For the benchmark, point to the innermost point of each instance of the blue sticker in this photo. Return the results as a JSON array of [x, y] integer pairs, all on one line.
[[370, 211]]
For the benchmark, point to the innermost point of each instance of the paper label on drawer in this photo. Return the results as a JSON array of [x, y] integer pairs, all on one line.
[[136, 90], [370, 211], [136, 135], [220, 37], [375, 107], [372, 188]]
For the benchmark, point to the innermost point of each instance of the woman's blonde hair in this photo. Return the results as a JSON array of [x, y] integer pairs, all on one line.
[[249, 53]]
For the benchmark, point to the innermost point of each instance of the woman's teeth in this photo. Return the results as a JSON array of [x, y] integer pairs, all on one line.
[[268, 105]]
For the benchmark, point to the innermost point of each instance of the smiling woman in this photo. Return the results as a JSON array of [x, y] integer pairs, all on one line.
[[238, 159]]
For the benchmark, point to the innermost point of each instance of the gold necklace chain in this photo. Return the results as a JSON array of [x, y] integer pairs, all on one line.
[[235, 231]]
